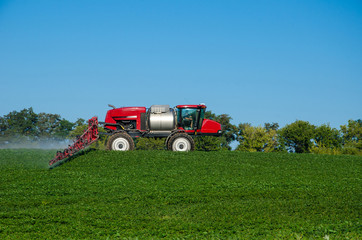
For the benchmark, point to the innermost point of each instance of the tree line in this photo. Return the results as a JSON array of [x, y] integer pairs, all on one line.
[[26, 126], [297, 137]]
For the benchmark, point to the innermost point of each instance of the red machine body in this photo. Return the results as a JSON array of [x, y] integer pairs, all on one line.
[[165, 118], [210, 126], [124, 114]]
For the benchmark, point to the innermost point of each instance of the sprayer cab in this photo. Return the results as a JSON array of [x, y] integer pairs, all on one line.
[[191, 118]]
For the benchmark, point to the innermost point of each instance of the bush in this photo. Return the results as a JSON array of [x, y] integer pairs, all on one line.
[[325, 150], [209, 143], [150, 143], [351, 150]]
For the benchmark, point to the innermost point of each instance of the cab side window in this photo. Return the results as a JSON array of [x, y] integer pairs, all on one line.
[[188, 118]]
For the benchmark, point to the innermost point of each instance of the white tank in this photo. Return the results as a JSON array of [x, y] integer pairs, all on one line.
[[161, 118]]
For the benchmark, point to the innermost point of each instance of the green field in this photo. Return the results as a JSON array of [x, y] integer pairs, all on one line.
[[196, 195]]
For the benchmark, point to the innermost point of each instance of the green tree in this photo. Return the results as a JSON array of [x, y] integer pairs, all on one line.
[[18, 127], [352, 137], [21, 123], [64, 128], [229, 131], [328, 137], [79, 127], [3, 125], [256, 139], [47, 124], [4, 134], [52, 126], [298, 136], [80, 122], [327, 140], [26, 125], [271, 126]]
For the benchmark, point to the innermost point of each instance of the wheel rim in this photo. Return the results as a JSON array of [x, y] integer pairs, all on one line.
[[120, 144], [181, 145]]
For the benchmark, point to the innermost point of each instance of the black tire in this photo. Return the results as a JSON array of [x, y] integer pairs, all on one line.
[[181, 142], [120, 142]]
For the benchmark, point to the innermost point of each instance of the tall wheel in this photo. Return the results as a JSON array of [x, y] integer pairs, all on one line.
[[120, 142], [181, 142]]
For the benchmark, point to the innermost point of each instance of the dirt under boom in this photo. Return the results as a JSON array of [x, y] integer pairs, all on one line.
[[89, 136]]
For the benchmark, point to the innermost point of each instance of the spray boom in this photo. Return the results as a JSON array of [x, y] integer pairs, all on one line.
[[89, 136]]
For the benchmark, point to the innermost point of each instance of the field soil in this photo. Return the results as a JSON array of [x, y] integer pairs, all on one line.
[[194, 195]]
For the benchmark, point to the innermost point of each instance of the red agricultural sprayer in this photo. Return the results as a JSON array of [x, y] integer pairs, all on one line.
[[178, 125]]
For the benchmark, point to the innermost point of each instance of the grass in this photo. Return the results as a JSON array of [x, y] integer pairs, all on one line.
[[196, 195]]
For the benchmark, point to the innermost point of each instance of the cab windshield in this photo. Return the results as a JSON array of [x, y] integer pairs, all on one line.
[[190, 118]]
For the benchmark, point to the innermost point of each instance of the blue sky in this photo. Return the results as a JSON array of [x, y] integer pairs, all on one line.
[[258, 61]]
